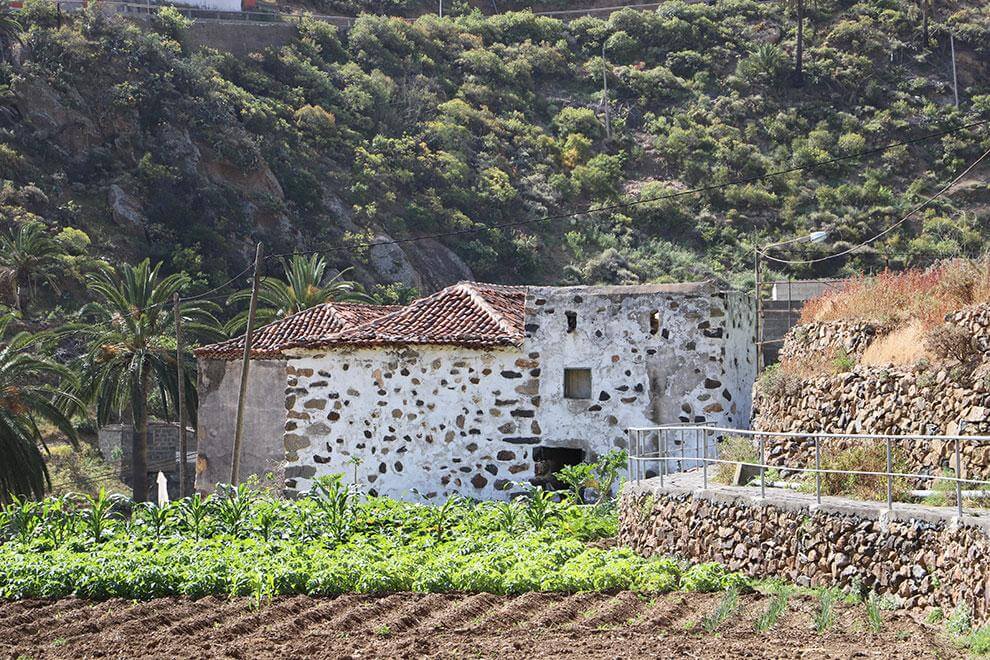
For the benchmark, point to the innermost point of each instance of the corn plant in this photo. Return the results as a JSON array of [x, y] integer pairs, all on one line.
[[541, 508], [194, 511], [56, 520], [266, 519], [98, 514], [233, 505], [21, 518], [440, 516], [509, 514], [335, 501], [155, 517]]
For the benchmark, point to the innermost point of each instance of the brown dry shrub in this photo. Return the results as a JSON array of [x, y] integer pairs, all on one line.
[[950, 342], [924, 294]]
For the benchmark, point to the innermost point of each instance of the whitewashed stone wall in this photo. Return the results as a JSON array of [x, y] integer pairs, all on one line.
[[445, 420]]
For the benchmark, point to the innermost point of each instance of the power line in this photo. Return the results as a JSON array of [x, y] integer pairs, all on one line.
[[645, 200], [889, 229]]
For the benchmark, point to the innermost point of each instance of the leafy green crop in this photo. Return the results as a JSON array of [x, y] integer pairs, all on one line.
[[241, 542]]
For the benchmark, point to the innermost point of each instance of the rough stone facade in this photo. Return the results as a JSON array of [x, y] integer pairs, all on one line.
[[264, 420], [449, 419], [921, 555], [926, 398]]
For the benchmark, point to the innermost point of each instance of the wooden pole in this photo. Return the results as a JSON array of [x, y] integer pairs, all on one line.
[[181, 402], [955, 80], [235, 462], [608, 115], [799, 49]]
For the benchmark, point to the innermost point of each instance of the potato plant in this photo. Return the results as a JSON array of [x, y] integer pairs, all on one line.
[[244, 543]]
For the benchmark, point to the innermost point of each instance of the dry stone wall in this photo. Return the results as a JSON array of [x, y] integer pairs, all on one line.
[[925, 398], [923, 557], [831, 337]]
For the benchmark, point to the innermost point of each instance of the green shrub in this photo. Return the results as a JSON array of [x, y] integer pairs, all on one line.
[[578, 120], [170, 22]]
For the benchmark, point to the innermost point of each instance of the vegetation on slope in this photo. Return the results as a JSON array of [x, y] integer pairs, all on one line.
[[441, 126]]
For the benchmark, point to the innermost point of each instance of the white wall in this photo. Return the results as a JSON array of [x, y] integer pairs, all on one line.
[[448, 419], [219, 5]]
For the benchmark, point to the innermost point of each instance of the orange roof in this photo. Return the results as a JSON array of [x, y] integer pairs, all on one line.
[[318, 321], [466, 314]]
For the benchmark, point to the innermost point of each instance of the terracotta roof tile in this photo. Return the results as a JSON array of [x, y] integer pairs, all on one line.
[[318, 321], [466, 314]]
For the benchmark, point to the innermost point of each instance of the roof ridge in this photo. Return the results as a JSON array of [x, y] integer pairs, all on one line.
[[493, 314]]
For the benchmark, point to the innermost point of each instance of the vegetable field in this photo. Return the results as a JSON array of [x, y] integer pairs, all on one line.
[[244, 543]]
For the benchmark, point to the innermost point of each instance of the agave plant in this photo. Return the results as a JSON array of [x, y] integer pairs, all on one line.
[[26, 398], [302, 288]]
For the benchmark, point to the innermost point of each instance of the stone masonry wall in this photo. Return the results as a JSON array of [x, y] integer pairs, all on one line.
[[850, 337], [926, 398], [924, 558], [443, 420]]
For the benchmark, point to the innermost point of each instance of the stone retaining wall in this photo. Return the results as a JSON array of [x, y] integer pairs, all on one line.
[[923, 556], [849, 337]]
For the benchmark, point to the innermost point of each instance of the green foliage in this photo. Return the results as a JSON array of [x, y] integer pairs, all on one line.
[[779, 599], [239, 542], [874, 616], [171, 23], [825, 614], [726, 608]]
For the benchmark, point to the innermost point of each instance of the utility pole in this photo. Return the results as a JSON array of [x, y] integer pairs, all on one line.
[[608, 115], [799, 49], [235, 463], [441, 8], [955, 80], [759, 311], [181, 402]]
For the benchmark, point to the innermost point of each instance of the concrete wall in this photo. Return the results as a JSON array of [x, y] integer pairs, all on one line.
[[264, 420], [445, 420], [240, 38]]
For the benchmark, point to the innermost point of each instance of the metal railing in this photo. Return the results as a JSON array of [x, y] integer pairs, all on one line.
[[681, 447]]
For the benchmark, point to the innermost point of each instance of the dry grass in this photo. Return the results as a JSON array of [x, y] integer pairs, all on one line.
[[923, 295], [905, 345]]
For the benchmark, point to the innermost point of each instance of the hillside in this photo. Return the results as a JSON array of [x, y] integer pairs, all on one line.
[[394, 130]]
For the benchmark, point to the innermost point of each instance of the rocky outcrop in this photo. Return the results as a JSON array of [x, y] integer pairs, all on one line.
[[918, 555]]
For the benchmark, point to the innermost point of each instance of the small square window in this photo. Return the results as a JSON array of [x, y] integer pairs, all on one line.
[[577, 383]]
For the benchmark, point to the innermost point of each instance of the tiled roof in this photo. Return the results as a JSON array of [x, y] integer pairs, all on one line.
[[466, 314], [318, 321]]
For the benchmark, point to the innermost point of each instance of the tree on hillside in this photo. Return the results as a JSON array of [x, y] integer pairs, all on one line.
[[302, 288], [130, 350], [798, 7], [30, 254], [10, 33], [27, 398]]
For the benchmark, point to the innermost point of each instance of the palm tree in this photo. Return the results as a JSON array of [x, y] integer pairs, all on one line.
[[10, 33], [31, 254], [131, 349], [26, 399], [302, 288]]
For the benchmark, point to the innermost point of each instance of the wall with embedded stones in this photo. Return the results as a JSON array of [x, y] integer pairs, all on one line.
[[923, 556], [444, 419]]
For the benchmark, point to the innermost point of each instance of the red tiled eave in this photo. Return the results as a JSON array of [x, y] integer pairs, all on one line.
[[271, 339]]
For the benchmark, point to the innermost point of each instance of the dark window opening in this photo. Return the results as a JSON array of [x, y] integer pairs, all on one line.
[[548, 461], [571, 321], [654, 323], [577, 383]]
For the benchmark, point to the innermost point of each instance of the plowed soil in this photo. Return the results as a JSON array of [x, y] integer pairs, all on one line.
[[459, 626]]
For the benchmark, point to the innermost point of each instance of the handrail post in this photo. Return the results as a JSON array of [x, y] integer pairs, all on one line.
[[818, 471], [763, 461], [662, 454], [959, 502], [704, 455], [890, 476]]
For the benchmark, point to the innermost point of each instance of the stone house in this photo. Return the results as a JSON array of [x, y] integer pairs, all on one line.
[[479, 386], [219, 371]]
